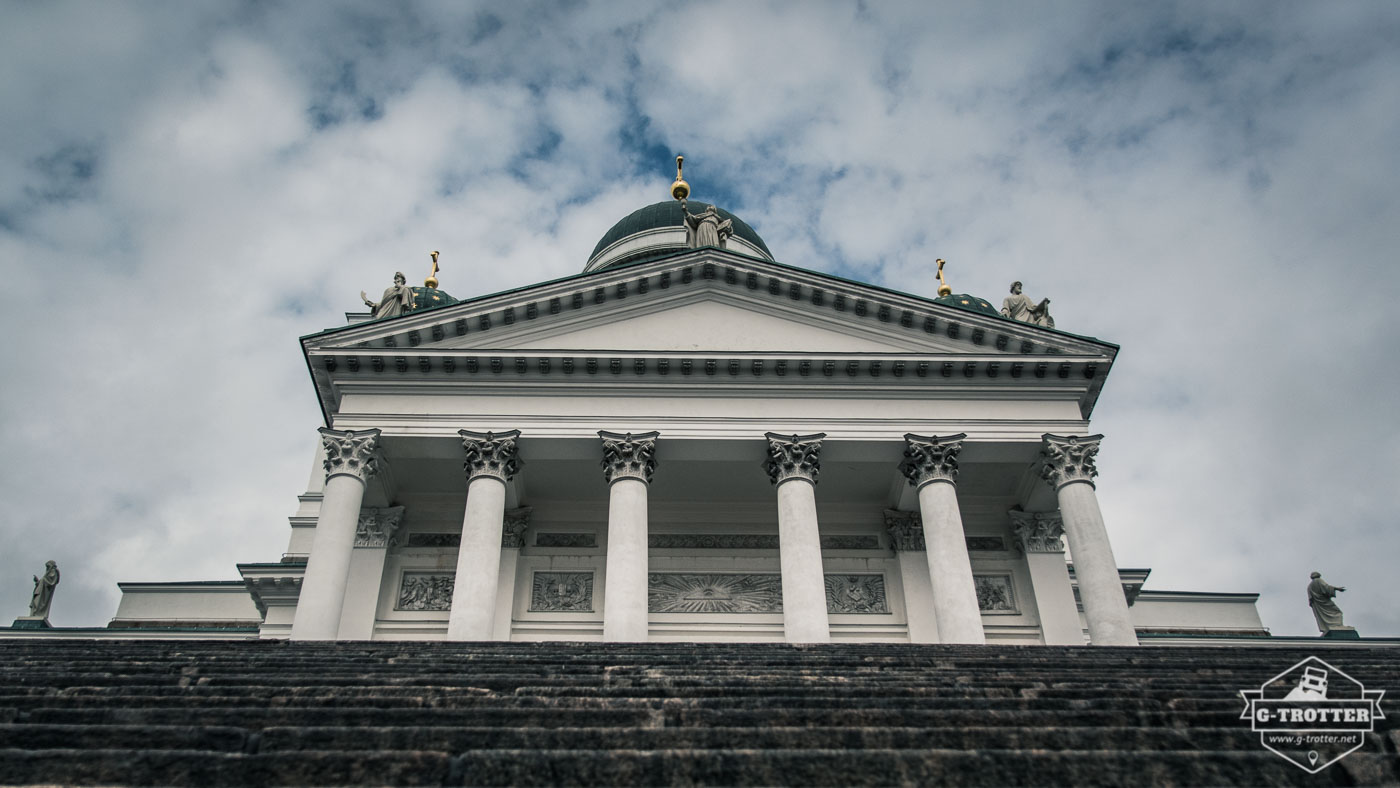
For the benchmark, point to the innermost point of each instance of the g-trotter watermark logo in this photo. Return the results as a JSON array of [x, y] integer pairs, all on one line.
[[1312, 714]]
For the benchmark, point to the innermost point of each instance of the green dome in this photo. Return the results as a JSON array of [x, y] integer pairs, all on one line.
[[428, 298], [969, 302], [668, 214]]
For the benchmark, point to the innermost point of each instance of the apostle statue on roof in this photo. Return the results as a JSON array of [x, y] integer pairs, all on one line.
[[396, 300], [1328, 615], [43, 591], [706, 228], [1019, 306]]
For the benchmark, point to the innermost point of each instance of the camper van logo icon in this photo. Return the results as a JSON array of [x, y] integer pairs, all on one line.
[[1312, 714]]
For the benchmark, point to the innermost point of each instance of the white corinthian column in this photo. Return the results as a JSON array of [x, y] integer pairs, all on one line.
[[351, 461], [793, 464], [1069, 470], [931, 466], [628, 463], [492, 459]]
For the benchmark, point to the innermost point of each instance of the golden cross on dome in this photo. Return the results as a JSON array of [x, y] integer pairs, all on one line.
[[432, 281], [679, 188], [943, 288]]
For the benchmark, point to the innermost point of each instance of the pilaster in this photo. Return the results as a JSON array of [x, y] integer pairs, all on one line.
[[374, 535], [1039, 535], [515, 523], [907, 537]]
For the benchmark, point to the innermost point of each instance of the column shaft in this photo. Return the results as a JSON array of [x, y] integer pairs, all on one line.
[[1100, 589], [322, 596], [625, 596], [800, 551], [478, 561], [950, 568]]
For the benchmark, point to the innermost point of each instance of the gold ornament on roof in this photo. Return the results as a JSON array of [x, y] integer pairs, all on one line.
[[432, 281], [943, 288], [680, 189]]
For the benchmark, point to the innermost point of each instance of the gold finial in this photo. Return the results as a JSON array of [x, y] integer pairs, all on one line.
[[943, 288], [432, 281], [680, 189]]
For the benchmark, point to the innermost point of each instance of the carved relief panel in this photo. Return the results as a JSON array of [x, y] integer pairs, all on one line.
[[856, 594], [425, 591], [561, 592], [995, 593]]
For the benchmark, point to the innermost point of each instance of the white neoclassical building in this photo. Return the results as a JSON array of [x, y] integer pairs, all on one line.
[[698, 444]]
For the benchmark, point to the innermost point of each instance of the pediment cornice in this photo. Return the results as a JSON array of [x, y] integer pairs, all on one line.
[[833, 298], [946, 346]]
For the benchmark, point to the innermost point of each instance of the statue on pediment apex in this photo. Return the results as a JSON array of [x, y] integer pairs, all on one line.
[[1019, 306], [706, 228]]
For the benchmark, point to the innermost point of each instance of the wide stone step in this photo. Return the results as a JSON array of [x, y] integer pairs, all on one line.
[[418, 694], [544, 767], [753, 700], [256, 717], [449, 739]]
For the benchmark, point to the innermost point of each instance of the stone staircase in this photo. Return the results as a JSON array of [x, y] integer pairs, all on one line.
[[278, 713]]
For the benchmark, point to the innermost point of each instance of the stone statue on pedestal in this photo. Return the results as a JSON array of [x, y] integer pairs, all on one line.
[[1328, 615], [396, 300], [43, 591], [1019, 306], [706, 228]]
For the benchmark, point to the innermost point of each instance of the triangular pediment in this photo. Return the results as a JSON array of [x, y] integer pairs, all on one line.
[[729, 320], [705, 303]]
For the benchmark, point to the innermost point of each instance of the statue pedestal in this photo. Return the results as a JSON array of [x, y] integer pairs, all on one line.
[[31, 622], [1343, 633]]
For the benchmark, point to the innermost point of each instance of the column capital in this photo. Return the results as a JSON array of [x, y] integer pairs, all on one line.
[[351, 453], [628, 456], [1038, 532], [377, 527], [492, 454], [793, 457], [513, 526], [906, 531], [1069, 458], [929, 458]]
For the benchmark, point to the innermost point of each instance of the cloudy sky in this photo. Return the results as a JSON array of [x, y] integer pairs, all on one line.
[[186, 188]]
